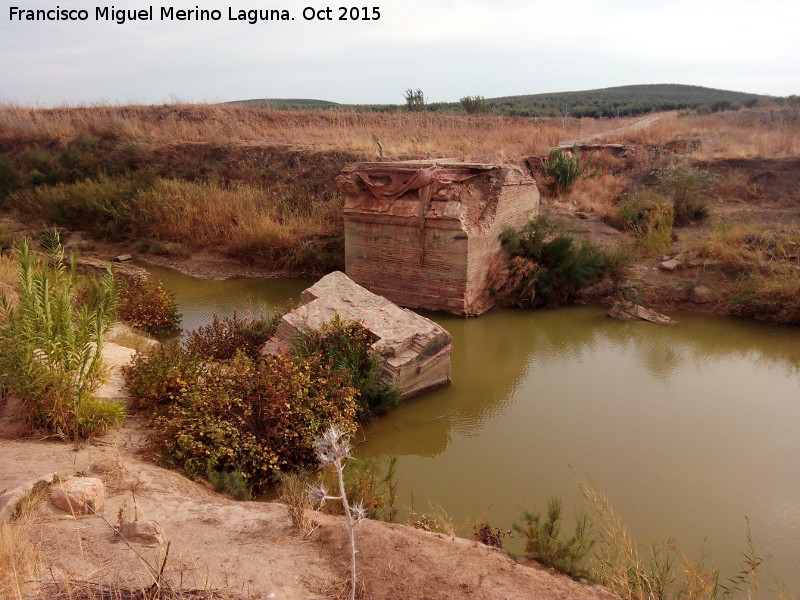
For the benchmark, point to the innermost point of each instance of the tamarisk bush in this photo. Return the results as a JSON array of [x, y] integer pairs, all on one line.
[[333, 450]]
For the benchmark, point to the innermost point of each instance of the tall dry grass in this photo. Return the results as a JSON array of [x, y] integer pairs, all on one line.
[[20, 558], [661, 571], [599, 195], [482, 137], [748, 133]]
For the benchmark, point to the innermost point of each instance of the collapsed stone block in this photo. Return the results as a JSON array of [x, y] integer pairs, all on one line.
[[424, 234], [414, 351]]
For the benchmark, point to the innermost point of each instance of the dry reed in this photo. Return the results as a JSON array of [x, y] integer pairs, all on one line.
[[20, 558], [756, 133], [402, 134]]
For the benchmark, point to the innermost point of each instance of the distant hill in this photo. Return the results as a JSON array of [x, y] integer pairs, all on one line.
[[286, 103], [624, 100]]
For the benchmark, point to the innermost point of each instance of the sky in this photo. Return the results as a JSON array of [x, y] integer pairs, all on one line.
[[446, 48]]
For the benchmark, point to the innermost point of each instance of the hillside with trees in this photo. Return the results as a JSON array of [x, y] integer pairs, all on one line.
[[621, 101]]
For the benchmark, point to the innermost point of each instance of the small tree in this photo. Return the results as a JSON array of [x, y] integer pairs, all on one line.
[[415, 100], [475, 105]]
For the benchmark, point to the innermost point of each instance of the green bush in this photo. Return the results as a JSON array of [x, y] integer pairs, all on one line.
[[162, 376], [222, 338], [650, 216], [205, 429], [550, 268], [50, 345], [9, 178], [256, 417], [565, 168], [545, 543], [345, 347], [233, 483], [146, 305], [475, 105], [100, 206], [686, 186]]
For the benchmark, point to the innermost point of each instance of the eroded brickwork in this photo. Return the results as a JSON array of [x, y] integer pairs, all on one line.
[[424, 233]]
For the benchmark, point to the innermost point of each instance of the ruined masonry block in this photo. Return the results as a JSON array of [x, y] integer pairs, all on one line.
[[425, 234], [414, 351]]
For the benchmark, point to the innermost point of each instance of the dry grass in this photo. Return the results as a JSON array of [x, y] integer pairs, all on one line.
[[20, 558], [207, 215], [294, 495], [8, 278], [598, 195], [753, 133], [436, 520], [659, 570], [402, 134], [741, 247]]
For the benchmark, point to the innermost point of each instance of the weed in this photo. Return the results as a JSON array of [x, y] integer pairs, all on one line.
[[740, 247], [151, 246], [435, 521], [564, 168], [649, 215], [293, 493], [376, 492], [145, 304], [101, 206], [552, 267], [333, 450], [547, 544], [9, 178], [599, 195], [648, 571], [488, 535], [8, 238], [687, 187], [233, 483], [774, 297]]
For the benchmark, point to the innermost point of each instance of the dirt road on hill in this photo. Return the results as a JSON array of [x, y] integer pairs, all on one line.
[[600, 135]]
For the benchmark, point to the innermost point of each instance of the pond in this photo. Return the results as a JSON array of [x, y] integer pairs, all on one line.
[[688, 430]]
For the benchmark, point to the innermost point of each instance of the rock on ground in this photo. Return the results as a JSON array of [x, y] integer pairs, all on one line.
[[627, 311], [78, 495]]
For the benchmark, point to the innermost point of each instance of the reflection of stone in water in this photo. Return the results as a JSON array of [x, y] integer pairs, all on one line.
[[413, 429]]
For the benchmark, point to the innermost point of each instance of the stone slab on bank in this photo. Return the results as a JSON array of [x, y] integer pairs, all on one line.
[[414, 351]]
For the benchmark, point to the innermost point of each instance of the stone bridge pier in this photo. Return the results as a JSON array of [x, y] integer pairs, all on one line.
[[425, 234]]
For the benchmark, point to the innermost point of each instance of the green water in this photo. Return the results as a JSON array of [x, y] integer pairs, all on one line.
[[688, 430]]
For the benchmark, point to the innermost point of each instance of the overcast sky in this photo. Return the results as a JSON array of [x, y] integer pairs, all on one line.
[[447, 48]]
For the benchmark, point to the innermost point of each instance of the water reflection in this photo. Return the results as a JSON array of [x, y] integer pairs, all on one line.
[[688, 429], [199, 299]]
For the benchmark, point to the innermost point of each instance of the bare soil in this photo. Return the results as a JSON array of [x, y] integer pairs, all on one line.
[[251, 549]]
